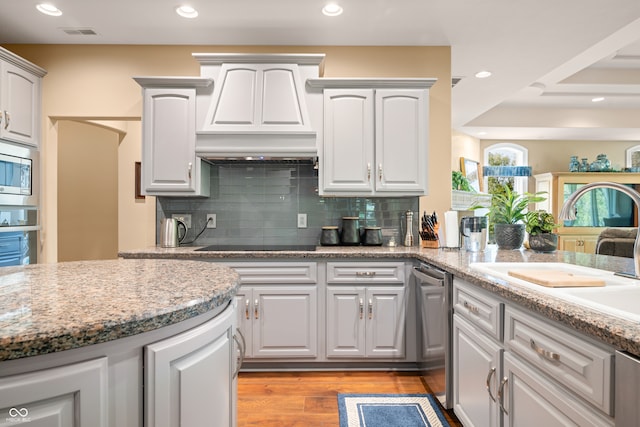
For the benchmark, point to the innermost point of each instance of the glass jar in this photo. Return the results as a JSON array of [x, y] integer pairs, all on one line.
[[574, 164], [584, 166]]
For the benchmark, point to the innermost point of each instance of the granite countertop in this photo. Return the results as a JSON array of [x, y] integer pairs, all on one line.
[[46, 308], [620, 333]]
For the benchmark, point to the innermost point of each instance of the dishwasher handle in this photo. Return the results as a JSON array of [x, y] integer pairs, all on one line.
[[425, 278]]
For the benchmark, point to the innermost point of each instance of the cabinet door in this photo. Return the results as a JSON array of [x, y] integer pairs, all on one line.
[[347, 163], [401, 137], [433, 318], [476, 363], [285, 321], [168, 141], [68, 396], [531, 399], [346, 321], [385, 322], [189, 377], [578, 243], [19, 105]]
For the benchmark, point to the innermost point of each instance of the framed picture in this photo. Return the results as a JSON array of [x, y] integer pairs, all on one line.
[[471, 169], [633, 158], [138, 181]]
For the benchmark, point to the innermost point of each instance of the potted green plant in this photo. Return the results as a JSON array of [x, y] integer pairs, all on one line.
[[507, 214], [540, 224], [460, 182]]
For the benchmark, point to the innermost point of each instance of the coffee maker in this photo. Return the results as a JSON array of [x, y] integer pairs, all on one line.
[[473, 230]]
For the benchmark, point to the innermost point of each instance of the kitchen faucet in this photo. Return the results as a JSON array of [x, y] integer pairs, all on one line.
[[568, 212]]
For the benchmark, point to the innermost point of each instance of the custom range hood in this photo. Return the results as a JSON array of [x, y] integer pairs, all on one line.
[[257, 107]]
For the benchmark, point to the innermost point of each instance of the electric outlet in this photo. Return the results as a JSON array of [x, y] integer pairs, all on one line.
[[211, 221], [186, 218], [302, 220]]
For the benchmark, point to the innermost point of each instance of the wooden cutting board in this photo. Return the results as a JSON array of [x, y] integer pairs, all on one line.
[[555, 278]]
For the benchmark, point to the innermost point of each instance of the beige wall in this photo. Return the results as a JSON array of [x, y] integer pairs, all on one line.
[[94, 82], [88, 192], [463, 145]]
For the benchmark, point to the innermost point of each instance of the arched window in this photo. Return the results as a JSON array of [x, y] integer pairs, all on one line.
[[506, 154]]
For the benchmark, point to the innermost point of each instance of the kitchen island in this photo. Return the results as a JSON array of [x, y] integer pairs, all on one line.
[[80, 341]]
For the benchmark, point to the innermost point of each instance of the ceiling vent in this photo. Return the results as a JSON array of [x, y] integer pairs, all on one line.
[[80, 31]]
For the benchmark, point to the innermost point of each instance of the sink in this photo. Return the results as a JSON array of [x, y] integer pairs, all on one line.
[[618, 297]]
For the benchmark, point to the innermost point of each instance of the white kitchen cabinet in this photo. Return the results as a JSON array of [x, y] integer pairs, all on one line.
[[170, 166], [189, 377], [65, 396], [366, 310], [376, 137], [20, 99], [366, 321], [477, 369], [278, 309], [531, 399]]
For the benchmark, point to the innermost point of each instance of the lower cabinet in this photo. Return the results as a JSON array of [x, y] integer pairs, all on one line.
[[365, 310], [477, 369], [70, 395], [514, 368], [189, 378], [279, 321], [278, 309], [578, 243], [365, 321]]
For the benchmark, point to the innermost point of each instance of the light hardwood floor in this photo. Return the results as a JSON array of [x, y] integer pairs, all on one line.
[[309, 399]]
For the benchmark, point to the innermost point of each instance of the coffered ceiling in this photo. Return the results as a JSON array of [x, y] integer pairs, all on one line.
[[549, 58]]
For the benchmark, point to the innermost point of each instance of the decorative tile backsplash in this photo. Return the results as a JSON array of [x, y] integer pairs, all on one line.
[[258, 203]]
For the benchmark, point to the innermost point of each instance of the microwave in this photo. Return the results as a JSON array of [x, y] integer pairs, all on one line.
[[18, 175]]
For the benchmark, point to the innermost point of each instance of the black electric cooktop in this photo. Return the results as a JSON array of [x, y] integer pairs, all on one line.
[[225, 248]]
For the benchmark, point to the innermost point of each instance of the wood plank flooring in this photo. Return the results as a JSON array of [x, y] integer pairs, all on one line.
[[309, 399]]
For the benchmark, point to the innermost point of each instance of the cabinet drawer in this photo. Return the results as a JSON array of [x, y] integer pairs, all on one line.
[[483, 310], [583, 367], [276, 273], [365, 272]]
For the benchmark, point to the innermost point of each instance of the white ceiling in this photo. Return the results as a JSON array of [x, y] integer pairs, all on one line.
[[548, 57]]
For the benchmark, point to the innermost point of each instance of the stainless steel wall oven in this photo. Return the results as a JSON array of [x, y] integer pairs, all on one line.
[[19, 204]]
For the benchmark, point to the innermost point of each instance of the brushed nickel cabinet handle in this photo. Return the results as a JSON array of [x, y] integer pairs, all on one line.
[[190, 167], [472, 308], [365, 273], [547, 354], [368, 171], [503, 383], [242, 346], [246, 309], [380, 171], [370, 309], [7, 119], [492, 371], [361, 309], [255, 309]]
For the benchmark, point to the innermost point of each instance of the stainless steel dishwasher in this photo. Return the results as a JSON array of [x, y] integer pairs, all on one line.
[[434, 291]]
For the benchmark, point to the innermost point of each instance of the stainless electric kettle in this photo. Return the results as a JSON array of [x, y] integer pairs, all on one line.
[[172, 232]]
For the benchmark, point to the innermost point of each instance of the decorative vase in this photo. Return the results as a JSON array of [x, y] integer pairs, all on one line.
[[544, 242], [509, 236]]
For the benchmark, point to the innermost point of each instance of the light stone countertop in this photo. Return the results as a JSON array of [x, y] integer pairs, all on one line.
[[619, 333], [46, 308]]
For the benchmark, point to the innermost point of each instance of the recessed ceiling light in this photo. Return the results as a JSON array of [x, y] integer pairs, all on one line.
[[332, 9], [186, 11], [597, 99], [482, 133], [48, 9], [483, 74]]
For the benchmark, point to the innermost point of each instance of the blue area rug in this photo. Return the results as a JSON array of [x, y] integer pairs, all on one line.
[[390, 410]]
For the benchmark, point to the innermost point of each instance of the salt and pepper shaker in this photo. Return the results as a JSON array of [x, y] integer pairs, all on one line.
[[408, 238]]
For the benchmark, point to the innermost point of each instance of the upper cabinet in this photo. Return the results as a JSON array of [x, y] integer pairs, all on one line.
[[375, 136], [169, 163], [20, 92]]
